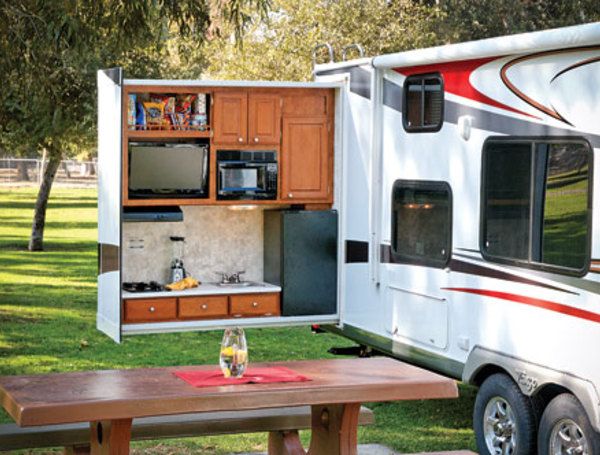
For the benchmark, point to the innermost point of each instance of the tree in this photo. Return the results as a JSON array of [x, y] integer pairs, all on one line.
[[50, 52], [282, 49], [477, 19]]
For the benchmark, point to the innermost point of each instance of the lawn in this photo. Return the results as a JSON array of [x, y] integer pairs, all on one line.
[[47, 324]]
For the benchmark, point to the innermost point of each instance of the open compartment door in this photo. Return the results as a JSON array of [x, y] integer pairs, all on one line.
[[108, 318]]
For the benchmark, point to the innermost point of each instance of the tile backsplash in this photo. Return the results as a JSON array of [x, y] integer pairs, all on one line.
[[216, 239]]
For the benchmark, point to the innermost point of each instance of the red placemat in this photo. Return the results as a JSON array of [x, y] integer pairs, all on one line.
[[251, 376]]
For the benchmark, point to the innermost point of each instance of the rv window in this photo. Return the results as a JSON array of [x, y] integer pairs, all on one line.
[[423, 103], [421, 222], [536, 203]]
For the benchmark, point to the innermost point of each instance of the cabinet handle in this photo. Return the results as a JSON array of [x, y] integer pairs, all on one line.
[[240, 139], [255, 139], [152, 309], [254, 304], [290, 195], [204, 306]]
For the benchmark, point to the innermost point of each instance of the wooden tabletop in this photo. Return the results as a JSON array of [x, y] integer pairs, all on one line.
[[116, 394]]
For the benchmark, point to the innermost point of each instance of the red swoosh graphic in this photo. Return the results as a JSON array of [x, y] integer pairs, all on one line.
[[538, 303], [456, 80]]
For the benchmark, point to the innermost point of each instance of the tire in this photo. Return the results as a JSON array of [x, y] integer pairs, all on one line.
[[565, 429], [503, 418]]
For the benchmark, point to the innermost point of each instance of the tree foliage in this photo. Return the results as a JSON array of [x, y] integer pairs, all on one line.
[[282, 48], [477, 19], [50, 52]]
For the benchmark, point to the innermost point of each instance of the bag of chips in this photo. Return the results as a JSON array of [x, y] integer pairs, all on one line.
[[154, 113]]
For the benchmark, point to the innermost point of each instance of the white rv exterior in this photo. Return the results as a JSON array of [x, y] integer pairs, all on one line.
[[500, 303]]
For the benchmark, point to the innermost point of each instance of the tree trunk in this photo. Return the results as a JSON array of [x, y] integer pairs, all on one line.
[[36, 242], [23, 174]]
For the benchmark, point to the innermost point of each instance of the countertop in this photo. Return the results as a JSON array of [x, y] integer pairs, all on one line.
[[207, 289]]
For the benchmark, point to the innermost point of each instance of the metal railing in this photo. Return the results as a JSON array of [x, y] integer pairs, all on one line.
[[29, 171]]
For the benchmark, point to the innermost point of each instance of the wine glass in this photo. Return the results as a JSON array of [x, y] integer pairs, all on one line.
[[234, 353]]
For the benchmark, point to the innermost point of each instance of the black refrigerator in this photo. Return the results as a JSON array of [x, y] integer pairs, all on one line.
[[300, 255]]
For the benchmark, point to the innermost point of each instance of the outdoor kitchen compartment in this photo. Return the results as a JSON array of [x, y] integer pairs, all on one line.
[[300, 255]]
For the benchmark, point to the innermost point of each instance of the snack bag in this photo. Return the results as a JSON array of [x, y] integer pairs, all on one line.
[[131, 114], [154, 113], [140, 116]]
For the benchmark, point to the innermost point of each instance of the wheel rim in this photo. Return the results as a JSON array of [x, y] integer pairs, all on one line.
[[567, 438], [499, 427]]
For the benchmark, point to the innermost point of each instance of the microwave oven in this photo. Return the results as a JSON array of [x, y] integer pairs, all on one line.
[[246, 174]]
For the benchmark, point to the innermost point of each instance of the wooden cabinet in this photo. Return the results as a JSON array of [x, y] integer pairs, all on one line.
[[308, 103], [203, 307], [264, 119], [306, 161], [244, 118], [150, 310], [165, 309], [231, 118], [249, 305]]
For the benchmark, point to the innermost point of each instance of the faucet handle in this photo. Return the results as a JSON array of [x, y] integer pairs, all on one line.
[[224, 277]]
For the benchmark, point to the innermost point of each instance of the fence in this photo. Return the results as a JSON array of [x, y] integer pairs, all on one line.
[[28, 172]]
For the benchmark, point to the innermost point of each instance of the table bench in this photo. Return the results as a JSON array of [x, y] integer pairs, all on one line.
[[75, 437], [111, 400]]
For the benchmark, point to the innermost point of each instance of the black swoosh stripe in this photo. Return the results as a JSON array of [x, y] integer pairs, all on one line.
[[459, 266], [357, 251]]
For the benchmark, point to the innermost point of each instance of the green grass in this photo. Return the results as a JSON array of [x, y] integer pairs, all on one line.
[[47, 324]]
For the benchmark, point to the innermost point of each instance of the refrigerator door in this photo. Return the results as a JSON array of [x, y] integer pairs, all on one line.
[[306, 266]]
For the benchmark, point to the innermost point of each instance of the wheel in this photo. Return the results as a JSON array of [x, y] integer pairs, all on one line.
[[503, 418], [566, 430]]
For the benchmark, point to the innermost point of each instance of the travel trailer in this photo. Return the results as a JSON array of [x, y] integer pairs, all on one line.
[[436, 205]]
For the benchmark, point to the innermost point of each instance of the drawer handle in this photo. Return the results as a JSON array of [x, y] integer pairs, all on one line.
[[254, 304], [255, 139], [268, 314], [240, 139], [204, 306], [290, 195], [152, 309], [237, 315]]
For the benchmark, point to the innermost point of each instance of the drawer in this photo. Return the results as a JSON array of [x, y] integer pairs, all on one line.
[[246, 305], [150, 310], [203, 307]]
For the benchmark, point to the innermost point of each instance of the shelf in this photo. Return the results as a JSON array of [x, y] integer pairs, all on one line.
[[167, 134]]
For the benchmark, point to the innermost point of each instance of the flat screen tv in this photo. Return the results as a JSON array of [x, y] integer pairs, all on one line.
[[168, 170]]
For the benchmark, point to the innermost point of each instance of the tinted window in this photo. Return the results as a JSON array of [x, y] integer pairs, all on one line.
[[535, 202], [421, 221], [564, 236], [424, 101]]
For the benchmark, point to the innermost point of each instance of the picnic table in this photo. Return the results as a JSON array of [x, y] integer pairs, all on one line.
[[110, 399]]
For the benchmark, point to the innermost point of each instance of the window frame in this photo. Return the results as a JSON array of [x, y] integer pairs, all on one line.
[[435, 185], [533, 140], [422, 129]]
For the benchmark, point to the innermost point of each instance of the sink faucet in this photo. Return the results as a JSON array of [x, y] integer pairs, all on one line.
[[233, 278]]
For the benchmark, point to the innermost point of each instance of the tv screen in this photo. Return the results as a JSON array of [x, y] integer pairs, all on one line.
[[167, 170]]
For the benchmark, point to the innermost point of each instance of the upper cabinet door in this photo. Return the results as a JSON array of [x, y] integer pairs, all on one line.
[[264, 119], [305, 159], [231, 118]]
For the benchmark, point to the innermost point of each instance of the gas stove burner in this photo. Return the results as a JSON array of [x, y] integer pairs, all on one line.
[[142, 286]]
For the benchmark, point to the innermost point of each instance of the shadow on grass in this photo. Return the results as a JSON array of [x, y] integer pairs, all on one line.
[[61, 225], [76, 204]]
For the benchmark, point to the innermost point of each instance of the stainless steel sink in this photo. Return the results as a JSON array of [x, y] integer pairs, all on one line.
[[241, 284]]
